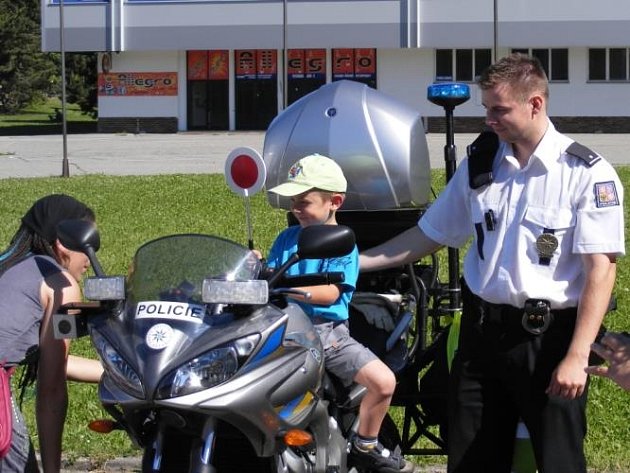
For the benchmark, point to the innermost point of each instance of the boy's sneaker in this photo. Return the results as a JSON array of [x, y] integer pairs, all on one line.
[[379, 459]]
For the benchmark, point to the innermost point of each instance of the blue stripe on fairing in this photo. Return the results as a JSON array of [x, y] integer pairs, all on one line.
[[273, 342]]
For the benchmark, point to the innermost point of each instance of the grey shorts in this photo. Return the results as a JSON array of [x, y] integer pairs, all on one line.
[[343, 355]]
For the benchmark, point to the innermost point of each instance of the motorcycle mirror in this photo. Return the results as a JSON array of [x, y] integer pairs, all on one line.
[[325, 241], [83, 236]]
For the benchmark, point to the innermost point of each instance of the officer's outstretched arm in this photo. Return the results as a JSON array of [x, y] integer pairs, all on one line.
[[407, 247]]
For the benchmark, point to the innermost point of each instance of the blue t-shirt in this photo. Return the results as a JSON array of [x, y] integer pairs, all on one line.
[[286, 244]]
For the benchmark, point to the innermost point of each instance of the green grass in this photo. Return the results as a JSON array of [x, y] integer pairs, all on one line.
[[132, 210], [37, 118]]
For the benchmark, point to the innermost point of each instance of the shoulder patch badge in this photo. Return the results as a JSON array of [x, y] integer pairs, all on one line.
[[606, 194]]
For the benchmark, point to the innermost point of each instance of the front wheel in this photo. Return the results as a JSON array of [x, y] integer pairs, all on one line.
[[232, 453]]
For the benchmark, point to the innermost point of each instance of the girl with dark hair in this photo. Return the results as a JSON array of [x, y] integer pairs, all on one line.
[[38, 275]]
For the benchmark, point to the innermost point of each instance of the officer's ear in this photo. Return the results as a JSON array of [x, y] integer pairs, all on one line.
[[538, 103]]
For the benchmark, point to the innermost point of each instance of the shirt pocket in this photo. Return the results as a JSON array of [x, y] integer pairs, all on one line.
[[552, 220]]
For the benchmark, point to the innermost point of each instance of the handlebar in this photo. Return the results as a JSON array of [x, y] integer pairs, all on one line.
[[313, 279]]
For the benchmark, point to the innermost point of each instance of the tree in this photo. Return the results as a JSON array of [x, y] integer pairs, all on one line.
[[81, 79], [28, 74], [25, 72]]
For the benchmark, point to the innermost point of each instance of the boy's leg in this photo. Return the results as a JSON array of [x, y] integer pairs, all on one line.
[[380, 383], [350, 361]]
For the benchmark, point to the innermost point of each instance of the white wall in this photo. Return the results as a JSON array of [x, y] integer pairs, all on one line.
[[580, 98], [406, 74], [523, 10], [402, 73], [531, 23], [149, 106]]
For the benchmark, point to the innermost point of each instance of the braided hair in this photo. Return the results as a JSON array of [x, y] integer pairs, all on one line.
[[36, 236], [38, 232]]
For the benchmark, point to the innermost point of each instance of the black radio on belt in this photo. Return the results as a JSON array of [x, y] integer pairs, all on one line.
[[537, 316]]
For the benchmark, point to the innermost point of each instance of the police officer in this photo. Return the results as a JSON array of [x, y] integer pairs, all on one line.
[[546, 218]]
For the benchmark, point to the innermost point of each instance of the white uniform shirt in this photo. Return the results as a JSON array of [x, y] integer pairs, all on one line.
[[558, 192]]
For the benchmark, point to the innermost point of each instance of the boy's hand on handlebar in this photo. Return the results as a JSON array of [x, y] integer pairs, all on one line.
[[258, 254]]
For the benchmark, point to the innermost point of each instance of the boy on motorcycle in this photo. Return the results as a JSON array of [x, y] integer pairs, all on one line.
[[317, 186]]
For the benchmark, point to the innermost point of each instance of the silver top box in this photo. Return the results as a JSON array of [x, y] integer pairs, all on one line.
[[378, 141]]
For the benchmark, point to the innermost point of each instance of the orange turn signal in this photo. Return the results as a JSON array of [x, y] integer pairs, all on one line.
[[297, 438], [102, 426]]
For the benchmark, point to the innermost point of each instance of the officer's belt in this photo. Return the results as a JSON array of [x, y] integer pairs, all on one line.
[[512, 318]]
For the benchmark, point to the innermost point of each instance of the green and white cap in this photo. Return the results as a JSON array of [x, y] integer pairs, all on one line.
[[312, 172]]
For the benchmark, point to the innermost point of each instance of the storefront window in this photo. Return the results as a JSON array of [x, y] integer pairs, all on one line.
[[355, 64], [306, 72], [555, 62], [462, 65], [608, 65]]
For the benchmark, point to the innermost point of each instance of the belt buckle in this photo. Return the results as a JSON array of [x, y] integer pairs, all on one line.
[[537, 316]]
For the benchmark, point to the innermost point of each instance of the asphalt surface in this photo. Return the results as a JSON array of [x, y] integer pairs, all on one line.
[[132, 465], [192, 153]]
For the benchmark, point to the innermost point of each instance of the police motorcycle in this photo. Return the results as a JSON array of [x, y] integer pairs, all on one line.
[[208, 366], [402, 314]]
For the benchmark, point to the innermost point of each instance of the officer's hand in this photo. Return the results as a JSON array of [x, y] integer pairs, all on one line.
[[568, 379], [614, 348]]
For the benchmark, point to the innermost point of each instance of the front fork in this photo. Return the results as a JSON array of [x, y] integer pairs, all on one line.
[[201, 460], [156, 461], [200, 455]]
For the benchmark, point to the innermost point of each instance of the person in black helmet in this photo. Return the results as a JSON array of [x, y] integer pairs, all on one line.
[[38, 275]]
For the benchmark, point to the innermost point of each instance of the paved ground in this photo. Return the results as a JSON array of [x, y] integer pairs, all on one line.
[[131, 465], [189, 153]]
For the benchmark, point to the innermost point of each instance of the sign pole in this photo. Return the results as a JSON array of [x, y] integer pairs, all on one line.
[[245, 174], [65, 168]]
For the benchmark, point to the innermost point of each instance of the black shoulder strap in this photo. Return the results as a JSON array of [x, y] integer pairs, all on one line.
[[582, 152], [481, 154]]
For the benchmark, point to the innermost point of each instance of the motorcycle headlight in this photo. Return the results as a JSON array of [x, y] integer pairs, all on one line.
[[117, 367], [209, 369]]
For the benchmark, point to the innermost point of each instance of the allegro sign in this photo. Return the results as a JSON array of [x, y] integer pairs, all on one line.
[[137, 83]]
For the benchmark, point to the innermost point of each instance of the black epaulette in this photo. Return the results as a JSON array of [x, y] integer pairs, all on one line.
[[587, 155], [481, 153]]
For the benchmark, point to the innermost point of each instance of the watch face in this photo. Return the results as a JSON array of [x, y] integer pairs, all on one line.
[[546, 244]]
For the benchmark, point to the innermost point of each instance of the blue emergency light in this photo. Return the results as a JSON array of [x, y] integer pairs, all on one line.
[[448, 94]]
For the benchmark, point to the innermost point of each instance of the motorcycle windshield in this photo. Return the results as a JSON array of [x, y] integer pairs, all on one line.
[[173, 268]]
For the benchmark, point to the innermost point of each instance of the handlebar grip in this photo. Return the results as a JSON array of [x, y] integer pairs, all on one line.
[[336, 277], [314, 279]]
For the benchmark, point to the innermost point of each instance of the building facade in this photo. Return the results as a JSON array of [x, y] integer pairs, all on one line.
[[168, 65]]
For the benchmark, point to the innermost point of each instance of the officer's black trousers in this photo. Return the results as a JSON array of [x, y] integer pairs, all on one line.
[[500, 374]]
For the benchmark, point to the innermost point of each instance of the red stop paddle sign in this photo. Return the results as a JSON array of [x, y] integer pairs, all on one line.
[[245, 171]]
